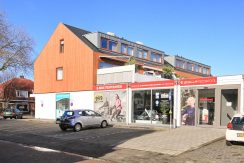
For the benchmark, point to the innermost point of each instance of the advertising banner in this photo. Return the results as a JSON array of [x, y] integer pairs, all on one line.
[[111, 104], [188, 99]]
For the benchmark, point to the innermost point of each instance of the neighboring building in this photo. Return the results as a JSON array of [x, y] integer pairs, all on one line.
[[16, 93], [186, 68]]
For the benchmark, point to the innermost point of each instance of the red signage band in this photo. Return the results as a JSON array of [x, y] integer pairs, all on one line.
[[110, 87], [166, 83], [198, 81]]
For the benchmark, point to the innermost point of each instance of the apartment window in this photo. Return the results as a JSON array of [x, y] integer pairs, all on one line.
[[196, 68], [61, 46], [104, 43], [130, 50], [139, 53], [145, 54], [189, 66], [105, 65], [155, 57], [180, 64], [123, 48], [20, 93], [204, 70], [112, 45], [59, 73]]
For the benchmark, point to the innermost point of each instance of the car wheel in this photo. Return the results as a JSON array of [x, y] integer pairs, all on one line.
[[228, 143], [104, 124], [77, 127], [11, 117], [63, 128]]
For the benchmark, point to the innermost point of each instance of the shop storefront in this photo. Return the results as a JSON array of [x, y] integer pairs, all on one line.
[[152, 102]]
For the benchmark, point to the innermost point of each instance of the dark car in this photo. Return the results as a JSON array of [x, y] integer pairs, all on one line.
[[12, 113], [77, 119]]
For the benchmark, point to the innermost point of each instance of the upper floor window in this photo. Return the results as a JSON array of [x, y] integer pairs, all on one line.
[[155, 57], [130, 50], [189, 66], [112, 45], [20, 93], [105, 65], [196, 68], [59, 73], [204, 70], [61, 46], [144, 54], [104, 43], [180, 64], [139, 53], [123, 48]]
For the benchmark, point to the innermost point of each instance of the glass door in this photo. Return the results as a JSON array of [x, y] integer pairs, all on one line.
[[206, 102]]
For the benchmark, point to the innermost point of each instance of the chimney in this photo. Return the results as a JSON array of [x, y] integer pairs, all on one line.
[[22, 76]]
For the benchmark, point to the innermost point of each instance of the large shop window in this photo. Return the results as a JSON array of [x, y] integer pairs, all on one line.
[[206, 106], [152, 106]]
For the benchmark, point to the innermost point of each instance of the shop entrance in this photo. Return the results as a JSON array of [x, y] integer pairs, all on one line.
[[152, 106], [229, 102], [206, 102]]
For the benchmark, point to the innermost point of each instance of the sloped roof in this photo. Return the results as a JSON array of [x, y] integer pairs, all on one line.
[[79, 33], [19, 84]]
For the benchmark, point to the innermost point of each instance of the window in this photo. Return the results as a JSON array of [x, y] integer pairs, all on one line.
[[204, 70], [130, 50], [105, 65], [155, 57], [123, 48], [59, 73], [20, 93], [145, 54], [196, 68], [189, 66], [61, 46], [104, 43], [112, 45], [139, 53], [180, 64]]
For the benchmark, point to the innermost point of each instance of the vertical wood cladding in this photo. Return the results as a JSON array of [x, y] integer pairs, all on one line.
[[79, 64]]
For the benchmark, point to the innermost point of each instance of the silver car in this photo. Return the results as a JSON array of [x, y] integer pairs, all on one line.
[[77, 119]]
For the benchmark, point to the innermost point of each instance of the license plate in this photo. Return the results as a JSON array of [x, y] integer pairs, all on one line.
[[240, 134]]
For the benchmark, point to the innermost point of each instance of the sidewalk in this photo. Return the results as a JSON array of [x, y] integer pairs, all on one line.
[[175, 141]]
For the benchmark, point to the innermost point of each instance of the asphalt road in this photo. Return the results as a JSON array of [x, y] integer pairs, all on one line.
[[19, 137]]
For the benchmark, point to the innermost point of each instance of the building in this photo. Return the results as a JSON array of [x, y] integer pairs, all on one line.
[[81, 69], [186, 68], [70, 59], [16, 93]]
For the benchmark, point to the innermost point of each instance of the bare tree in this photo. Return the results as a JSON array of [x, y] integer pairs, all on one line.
[[16, 48], [6, 75]]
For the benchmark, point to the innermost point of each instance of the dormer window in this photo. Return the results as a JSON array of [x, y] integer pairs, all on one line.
[[61, 46]]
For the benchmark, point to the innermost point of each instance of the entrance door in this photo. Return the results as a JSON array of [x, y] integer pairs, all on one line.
[[206, 106], [229, 103]]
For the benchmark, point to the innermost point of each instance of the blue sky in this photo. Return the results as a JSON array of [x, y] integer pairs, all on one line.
[[207, 31]]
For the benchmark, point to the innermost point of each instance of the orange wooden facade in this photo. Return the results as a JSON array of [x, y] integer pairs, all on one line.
[[79, 63]]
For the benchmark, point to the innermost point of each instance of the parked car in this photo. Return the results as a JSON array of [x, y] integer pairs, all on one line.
[[77, 119], [12, 113], [235, 129]]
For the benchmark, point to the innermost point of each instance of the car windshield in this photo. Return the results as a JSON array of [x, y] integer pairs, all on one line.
[[8, 110], [238, 120], [68, 113]]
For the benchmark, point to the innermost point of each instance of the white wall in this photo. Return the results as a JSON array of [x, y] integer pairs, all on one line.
[[45, 105], [80, 100]]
